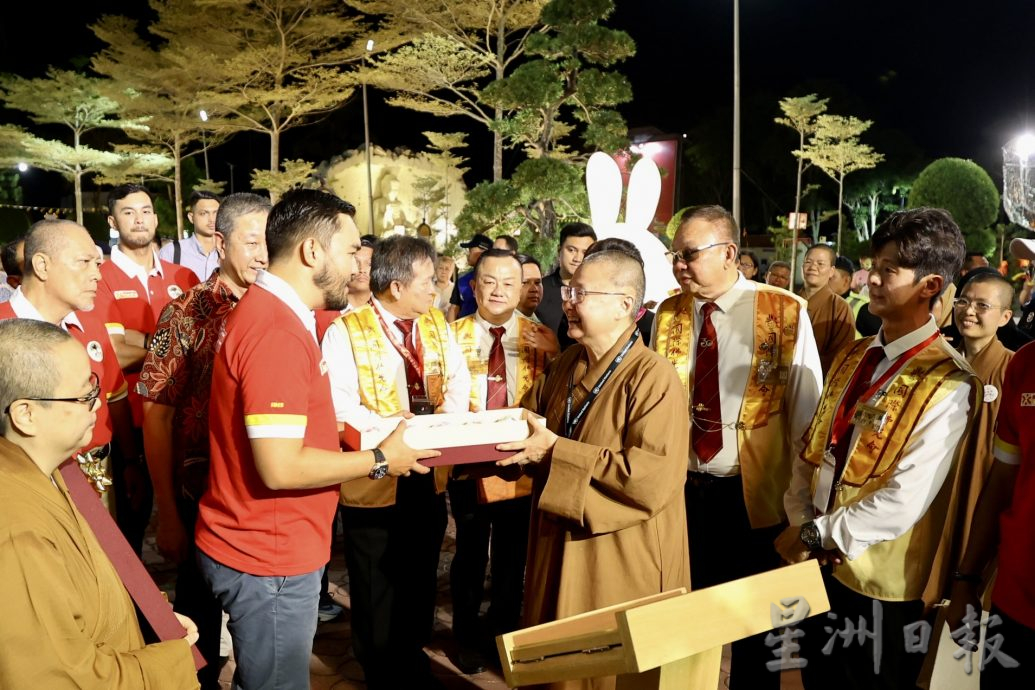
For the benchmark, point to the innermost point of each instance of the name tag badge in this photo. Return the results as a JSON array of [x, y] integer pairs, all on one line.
[[870, 417], [126, 294]]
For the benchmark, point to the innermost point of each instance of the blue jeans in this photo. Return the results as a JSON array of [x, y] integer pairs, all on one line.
[[272, 623]]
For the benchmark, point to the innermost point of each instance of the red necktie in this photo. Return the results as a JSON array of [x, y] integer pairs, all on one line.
[[705, 410], [863, 376], [496, 393], [414, 380]]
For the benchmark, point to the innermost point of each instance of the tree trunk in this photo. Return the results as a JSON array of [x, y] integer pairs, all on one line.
[[79, 196], [178, 187], [274, 158], [874, 198], [497, 151], [797, 209], [840, 210]]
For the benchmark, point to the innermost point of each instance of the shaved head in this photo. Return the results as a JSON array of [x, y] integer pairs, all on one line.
[[50, 237], [823, 248], [624, 272], [1003, 287]]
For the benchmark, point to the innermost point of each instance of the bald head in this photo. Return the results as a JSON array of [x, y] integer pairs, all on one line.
[[1002, 287], [52, 237], [624, 272], [27, 362]]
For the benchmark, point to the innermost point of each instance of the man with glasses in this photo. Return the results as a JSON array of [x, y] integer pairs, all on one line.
[[608, 466], [395, 356], [779, 275], [59, 286], [67, 618], [833, 323], [751, 375]]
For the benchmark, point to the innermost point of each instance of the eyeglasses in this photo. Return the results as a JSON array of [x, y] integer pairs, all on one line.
[[688, 255], [979, 307], [576, 295], [91, 399]]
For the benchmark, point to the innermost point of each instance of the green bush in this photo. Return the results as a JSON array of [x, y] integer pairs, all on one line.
[[962, 188]]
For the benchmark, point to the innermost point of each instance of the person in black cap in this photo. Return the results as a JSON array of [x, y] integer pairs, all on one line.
[[462, 302]]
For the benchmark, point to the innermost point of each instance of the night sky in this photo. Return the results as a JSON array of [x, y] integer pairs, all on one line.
[[953, 78]]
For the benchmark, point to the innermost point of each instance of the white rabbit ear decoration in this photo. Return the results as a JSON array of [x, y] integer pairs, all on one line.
[[604, 186]]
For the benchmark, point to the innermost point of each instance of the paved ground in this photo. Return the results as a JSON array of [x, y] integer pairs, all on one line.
[[334, 668]]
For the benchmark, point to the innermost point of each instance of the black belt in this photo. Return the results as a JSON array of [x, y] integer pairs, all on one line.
[[701, 480]]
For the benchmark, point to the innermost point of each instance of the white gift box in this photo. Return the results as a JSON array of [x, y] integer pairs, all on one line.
[[462, 437]]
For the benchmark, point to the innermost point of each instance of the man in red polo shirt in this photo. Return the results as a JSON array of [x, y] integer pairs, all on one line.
[[58, 286], [264, 525], [135, 286]]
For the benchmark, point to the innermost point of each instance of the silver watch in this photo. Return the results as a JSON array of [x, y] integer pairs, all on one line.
[[380, 468]]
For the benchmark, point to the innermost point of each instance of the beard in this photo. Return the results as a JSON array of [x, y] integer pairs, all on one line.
[[334, 286]]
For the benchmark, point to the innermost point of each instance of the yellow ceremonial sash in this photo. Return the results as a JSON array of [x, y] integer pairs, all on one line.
[[377, 389], [530, 363], [914, 565], [925, 380], [776, 331], [762, 437]]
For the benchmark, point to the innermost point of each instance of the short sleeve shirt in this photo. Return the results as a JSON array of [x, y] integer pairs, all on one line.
[[91, 333], [1014, 590], [269, 381]]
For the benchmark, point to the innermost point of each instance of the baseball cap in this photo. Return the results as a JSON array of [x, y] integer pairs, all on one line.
[[479, 240]]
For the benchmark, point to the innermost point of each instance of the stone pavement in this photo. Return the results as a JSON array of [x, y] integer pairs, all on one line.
[[333, 666]]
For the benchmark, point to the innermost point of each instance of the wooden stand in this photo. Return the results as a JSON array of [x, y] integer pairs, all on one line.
[[667, 641]]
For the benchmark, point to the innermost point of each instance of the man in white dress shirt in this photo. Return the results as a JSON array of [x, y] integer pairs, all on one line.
[[395, 356], [500, 347], [875, 493], [746, 355]]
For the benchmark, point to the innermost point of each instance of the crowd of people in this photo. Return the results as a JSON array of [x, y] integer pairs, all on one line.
[[877, 423]]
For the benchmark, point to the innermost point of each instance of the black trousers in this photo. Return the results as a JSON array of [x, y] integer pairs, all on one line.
[[724, 547], [842, 655], [392, 556], [1016, 641], [134, 497], [195, 600], [505, 525]]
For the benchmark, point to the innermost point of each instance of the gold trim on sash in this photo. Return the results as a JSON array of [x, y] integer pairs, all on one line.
[[530, 363]]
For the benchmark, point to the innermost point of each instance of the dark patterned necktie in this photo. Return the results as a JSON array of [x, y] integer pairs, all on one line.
[[706, 413], [496, 393]]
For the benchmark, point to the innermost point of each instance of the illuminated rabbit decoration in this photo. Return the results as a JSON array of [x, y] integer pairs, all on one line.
[[604, 185]]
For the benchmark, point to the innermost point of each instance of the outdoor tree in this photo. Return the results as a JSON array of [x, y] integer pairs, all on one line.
[[563, 103], [834, 148], [965, 190], [161, 84], [294, 174], [462, 46], [285, 64], [73, 100], [800, 114]]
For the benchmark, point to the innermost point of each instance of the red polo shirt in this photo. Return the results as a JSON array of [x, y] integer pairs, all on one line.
[[123, 302], [90, 331], [1014, 590], [269, 381]]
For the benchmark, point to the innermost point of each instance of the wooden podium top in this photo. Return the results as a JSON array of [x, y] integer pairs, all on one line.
[[643, 634]]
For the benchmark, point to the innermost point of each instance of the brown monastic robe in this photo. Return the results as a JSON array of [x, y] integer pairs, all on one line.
[[608, 518], [833, 324], [990, 366], [67, 621]]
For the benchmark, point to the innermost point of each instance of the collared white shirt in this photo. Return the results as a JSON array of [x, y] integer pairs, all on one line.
[[24, 309], [734, 322], [344, 376], [888, 513], [192, 256], [286, 294], [134, 270], [510, 354]]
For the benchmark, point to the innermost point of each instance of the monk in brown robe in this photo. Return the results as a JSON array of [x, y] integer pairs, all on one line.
[[981, 309], [67, 621], [608, 519], [833, 323]]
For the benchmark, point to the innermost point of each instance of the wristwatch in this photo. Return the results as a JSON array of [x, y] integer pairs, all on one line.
[[380, 468], [809, 536]]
